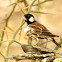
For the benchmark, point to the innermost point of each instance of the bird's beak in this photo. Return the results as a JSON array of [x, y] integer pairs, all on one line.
[[24, 18]]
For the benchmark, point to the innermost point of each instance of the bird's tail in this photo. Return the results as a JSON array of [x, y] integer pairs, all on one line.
[[56, 42]]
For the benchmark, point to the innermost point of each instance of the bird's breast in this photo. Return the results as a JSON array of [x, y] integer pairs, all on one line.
[[26, 30]]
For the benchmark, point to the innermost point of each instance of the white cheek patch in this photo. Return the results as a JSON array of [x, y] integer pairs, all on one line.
[[31, 19]]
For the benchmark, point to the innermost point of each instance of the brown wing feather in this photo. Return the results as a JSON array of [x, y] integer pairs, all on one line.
[[40, 31]]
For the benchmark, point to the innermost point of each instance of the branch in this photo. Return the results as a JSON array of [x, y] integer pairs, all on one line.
[[35, 52], [40, 50], [29, 55]]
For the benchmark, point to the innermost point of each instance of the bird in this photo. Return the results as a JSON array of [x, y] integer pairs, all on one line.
[[37, 30]]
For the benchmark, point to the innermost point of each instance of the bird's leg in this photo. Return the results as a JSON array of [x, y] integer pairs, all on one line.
[[48, 40], [29, 41], [37, 40]]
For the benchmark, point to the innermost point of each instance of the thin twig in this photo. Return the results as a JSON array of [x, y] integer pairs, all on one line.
[[29, 9], [10, 28], [41, 12], [15, 3], [6, 34], [38, 5], [6, 50], [7, 21], [19, 7], [19, 28], [22, 23], [19, 35], [42, 2], [17, 42], [12, 41], [3, 57], [25, 3]]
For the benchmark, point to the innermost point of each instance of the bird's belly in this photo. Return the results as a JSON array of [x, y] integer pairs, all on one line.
[[26, 30]]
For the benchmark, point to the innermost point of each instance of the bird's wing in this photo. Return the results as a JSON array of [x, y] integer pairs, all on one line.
[[40, 31]]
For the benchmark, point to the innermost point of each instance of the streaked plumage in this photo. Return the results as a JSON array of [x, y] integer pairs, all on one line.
[[37, 30]]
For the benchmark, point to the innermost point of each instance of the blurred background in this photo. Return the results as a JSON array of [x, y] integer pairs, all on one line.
[[51, 18]]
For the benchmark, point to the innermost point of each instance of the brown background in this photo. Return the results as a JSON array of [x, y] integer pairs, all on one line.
[[52, 21]]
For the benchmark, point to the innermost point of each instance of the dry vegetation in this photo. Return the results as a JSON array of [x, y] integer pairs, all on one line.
[[12, 25]]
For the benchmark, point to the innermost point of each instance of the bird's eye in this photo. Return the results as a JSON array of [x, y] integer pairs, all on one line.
[[24, 18], [31, 19]]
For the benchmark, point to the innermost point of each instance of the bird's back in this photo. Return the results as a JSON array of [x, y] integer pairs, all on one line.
[[40, 30]]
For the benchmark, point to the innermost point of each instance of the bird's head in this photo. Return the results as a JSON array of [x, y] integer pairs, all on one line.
[[29, 18]]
